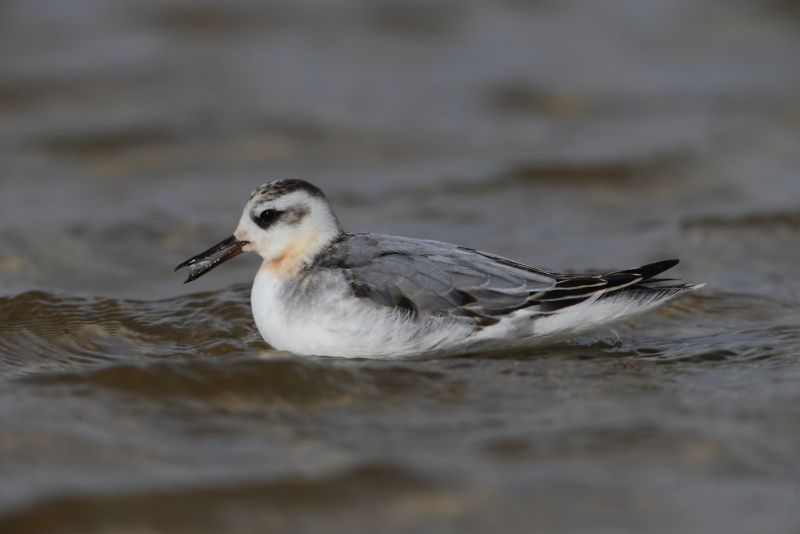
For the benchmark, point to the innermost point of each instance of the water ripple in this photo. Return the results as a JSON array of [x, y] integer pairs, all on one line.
[[46, 331]]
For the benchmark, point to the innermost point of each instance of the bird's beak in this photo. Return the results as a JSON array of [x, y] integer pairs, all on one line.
[[216, 255]]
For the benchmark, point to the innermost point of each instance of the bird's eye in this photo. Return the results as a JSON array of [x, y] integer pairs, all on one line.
[[267, 218]]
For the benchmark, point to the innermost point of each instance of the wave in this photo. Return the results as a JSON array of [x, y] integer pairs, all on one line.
[[42, 331], [209, 507]]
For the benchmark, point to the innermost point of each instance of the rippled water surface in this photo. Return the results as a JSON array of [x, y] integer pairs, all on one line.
[[569, 135]]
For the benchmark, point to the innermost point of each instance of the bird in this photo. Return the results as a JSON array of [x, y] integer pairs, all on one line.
[[322, 291]]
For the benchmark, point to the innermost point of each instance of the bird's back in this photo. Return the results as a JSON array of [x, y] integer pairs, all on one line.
[[426, 277]]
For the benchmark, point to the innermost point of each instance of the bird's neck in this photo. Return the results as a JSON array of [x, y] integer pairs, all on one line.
[[292, 258]]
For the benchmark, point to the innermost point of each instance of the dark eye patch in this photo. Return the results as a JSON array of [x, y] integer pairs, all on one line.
[[267, 218]]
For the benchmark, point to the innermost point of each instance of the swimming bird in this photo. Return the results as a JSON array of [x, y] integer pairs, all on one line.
[[323, 291]]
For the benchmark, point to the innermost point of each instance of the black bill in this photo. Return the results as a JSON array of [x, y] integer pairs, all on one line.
[[216, 255]]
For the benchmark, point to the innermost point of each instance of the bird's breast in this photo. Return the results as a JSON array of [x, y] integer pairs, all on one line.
[[300, 315], [268, 308]]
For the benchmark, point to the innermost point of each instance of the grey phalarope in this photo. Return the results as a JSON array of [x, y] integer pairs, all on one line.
[[322, 291]]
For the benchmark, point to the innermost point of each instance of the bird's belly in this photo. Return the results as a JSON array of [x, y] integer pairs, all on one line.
[[336, 323]]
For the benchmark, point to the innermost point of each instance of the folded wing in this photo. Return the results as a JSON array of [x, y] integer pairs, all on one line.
[[424, 277]]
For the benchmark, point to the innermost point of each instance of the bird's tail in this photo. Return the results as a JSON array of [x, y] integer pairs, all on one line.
[[641, 282]]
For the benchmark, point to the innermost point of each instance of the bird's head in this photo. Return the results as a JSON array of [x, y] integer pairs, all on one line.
[[286, 222]]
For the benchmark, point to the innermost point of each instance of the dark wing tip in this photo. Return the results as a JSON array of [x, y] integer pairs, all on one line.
[[654, 269]]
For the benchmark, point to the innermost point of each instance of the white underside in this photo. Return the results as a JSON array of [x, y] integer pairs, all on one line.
[[334, 323]]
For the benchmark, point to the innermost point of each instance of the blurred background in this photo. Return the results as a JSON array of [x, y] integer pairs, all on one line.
[[571, 135]]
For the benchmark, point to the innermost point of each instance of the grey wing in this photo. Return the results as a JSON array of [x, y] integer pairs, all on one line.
[[433, 278]]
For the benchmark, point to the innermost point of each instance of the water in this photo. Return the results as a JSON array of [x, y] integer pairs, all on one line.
[[564, 134]]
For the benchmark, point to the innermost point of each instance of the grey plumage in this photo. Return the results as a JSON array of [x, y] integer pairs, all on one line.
[[429, 277]]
